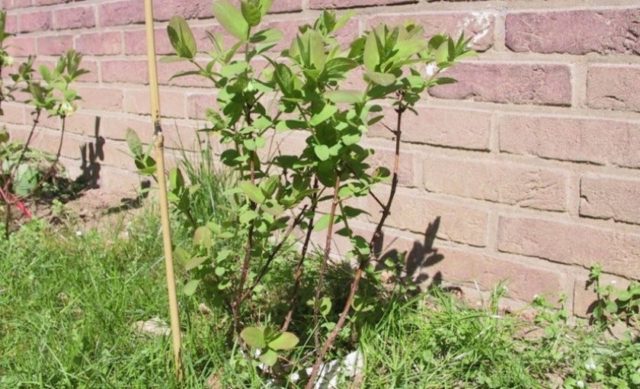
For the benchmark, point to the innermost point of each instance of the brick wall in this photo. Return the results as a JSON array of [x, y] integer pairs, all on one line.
[[526, 170]]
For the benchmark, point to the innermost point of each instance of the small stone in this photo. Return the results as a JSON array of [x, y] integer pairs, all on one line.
[[153, 327]]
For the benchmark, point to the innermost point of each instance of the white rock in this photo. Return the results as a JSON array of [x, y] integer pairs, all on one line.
[[154, 326]]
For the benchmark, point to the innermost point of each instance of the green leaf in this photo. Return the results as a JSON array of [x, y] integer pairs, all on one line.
[[384, 79], [371, 56], [265, 6], [327, 112], [322, 223], [203, 237], [284, 341], [252, 192], [190, 288], [254, 337], [231, 19], [194, 262], [322, 152], [181, 37], [251, 11], [134, 143], [344, 96], [4, 136], [340, 65], [269, 358], [247, 216]]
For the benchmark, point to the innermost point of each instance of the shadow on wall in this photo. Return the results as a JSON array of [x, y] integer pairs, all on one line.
[[414, 262], [92, 154]]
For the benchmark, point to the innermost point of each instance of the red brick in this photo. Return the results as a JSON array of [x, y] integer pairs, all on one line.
[[613, 87], [198, 103], [101, 98], [114, 127], [574, 244], [384, 156], [48, 141], [544, 84], [74, 17], [135, 42], [322, 4], [100, 43], [129, 71], [11, 4], [497, 181], [575, 32], [13, 113], [82, 123], [21, 46], [166, 9], [172, 103], [467, 129], [34, 21], [478, 25], [49, 2], [54, 45], [121, 12], [571, 139], [610, 198], [11, 25], [413, 210]]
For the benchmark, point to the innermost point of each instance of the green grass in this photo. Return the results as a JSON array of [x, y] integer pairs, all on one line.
[[68, 302]]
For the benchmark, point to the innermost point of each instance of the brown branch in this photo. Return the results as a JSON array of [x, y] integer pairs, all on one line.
[[325, 257], [299, 271], [272, 255], [364, 262]]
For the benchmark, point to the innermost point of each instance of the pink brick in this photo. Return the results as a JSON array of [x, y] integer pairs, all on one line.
[[48, 141], [467, 129], [100, 43], [166, 70], [478, 25], [544, 84], [575, 32], [286, 6], [172, 103], [584, 296], [522, 281], [114, 127], [129, 71], [121, 12], [121, 180], [101, 98], [610, 198], [571, 139], [414, 211], [198, 103], [92, 67], [13, 113], [11, 24], [135, 42], [321, 4], [497, 181], [574, 244], [83, 123], [49, 2], [34, 21], [54, 45], [76, 17], [11, 4], [384, 156], [21, 46], [166, 9], [613, 87]]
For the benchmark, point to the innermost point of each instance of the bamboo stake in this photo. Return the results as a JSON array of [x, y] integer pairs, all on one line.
[[162, 186]]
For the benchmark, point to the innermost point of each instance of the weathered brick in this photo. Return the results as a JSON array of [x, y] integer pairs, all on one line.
[[121, 12], [13, 113], [478, 26], [100, 43], [54, 45], [497, 181], [166, 9], [584, 296], [83, 123], [614, 87], [544, 84], [610, 198], [197, 104], [384, 156], [618, 252], [135, 42], [49, 2], [322, 4], [34, 21], [11, 4], [172, 103], [114, 127], [11, 24], [21, 46], [571, 139], [575, 32], [414, 211], [101, 98], [467, 129], [118, 179], [74, 17], [49, 141], [130, 71]]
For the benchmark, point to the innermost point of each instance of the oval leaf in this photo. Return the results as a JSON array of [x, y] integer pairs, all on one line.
[[231, 19], [254, 337], [181, 37], [285, 341]]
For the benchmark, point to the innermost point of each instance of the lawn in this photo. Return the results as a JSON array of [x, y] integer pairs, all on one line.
[[68, 301]]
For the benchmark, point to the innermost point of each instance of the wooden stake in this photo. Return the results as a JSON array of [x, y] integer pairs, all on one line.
[[162, 186]]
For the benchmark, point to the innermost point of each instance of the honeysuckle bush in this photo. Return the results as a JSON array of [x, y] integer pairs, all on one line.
[[25, 172], [303, 89]]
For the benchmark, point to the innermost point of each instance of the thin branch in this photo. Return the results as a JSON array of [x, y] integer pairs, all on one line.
[[364, 262], [325, 257], [299, 272]]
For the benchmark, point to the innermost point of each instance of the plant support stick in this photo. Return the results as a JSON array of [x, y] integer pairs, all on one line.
[[162, 186]]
